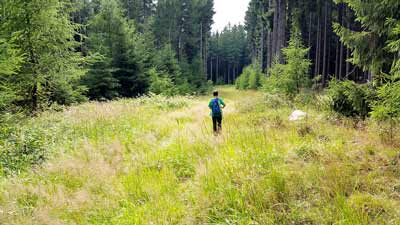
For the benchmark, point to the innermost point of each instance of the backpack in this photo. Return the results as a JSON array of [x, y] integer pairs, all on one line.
[[216, 109]]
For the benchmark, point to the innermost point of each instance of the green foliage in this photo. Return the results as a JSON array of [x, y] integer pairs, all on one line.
[[100, 81], [160, 83], [168, 75], [10, 62], [23, 149], [372, 46], [387, 107], [120, 72], [394, 47], [386, 110], [42, 44], [42, 32], [290, 78], [228, 48], [251, 78], [350, 99], [256, 76]]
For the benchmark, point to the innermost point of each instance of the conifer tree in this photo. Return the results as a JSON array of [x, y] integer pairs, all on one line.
[[10, 63], [43, 32]]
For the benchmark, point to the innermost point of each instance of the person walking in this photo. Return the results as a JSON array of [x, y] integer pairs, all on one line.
[[216, 105]]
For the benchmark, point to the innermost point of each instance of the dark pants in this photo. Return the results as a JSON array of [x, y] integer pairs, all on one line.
[[217, 123]]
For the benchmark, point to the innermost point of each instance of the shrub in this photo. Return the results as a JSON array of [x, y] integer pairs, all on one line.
[[276, 100], [350, 99], [160, 83], [388, 105], [255, 76], [242, 82], [251, 78], [306, 152], [387, 108], [23, 147], [290, 78]]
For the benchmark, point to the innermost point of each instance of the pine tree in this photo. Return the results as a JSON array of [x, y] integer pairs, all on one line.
[[111, 36], [10, 63], [368, 46], [43, 32], [292, 76]]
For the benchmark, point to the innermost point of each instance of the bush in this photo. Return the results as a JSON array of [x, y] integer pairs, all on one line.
[[242, 82], [387, 109], [388, 105], [22, 146], [256, 76], [251, 78], [161, 83], [350, 99]]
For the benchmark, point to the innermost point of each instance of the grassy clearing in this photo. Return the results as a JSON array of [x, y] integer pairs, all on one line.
[[155, 161]]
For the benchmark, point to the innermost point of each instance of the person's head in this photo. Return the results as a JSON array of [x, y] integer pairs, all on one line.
[[215, 93]]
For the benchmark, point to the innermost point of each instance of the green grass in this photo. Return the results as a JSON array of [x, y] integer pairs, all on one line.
[[155, 161]]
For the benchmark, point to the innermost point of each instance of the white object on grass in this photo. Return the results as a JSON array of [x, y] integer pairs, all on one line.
[[297, 115]]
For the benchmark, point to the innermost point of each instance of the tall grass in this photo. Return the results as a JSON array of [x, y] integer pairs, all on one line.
[[155, 161]]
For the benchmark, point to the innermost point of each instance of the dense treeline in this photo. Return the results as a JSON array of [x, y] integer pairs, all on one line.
[[228, 54], [63, 52], [353, 43], [268, 23], [330, 29]]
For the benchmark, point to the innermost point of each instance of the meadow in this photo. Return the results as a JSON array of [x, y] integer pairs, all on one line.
[[154, 160]]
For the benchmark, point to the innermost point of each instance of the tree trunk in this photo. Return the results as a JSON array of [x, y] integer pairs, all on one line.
[[275, 28], [317, 51], [201, 48], [229, 74], [370, 77], [281, 29], [309, 36], [269, 40], [205, 55], [337, 59], [325, 45], [217, 70], [211, 69], [128, 2], [262, 39], [347, 49]]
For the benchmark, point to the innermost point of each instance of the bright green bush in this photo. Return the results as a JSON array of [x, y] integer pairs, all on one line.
[[388, 105], [251, 78], [22, 144], [387, 110], [255, 77], [350, 99], [161, 83]]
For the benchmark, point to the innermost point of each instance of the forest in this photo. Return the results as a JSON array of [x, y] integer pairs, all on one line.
[[104, 117], [63, 52], [348, 48]]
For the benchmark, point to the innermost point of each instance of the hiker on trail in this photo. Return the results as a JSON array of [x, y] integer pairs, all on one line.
[[216, 105]]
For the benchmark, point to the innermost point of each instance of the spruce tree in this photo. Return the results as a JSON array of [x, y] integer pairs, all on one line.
[[44, 34], [10, 63], [114, 38]]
